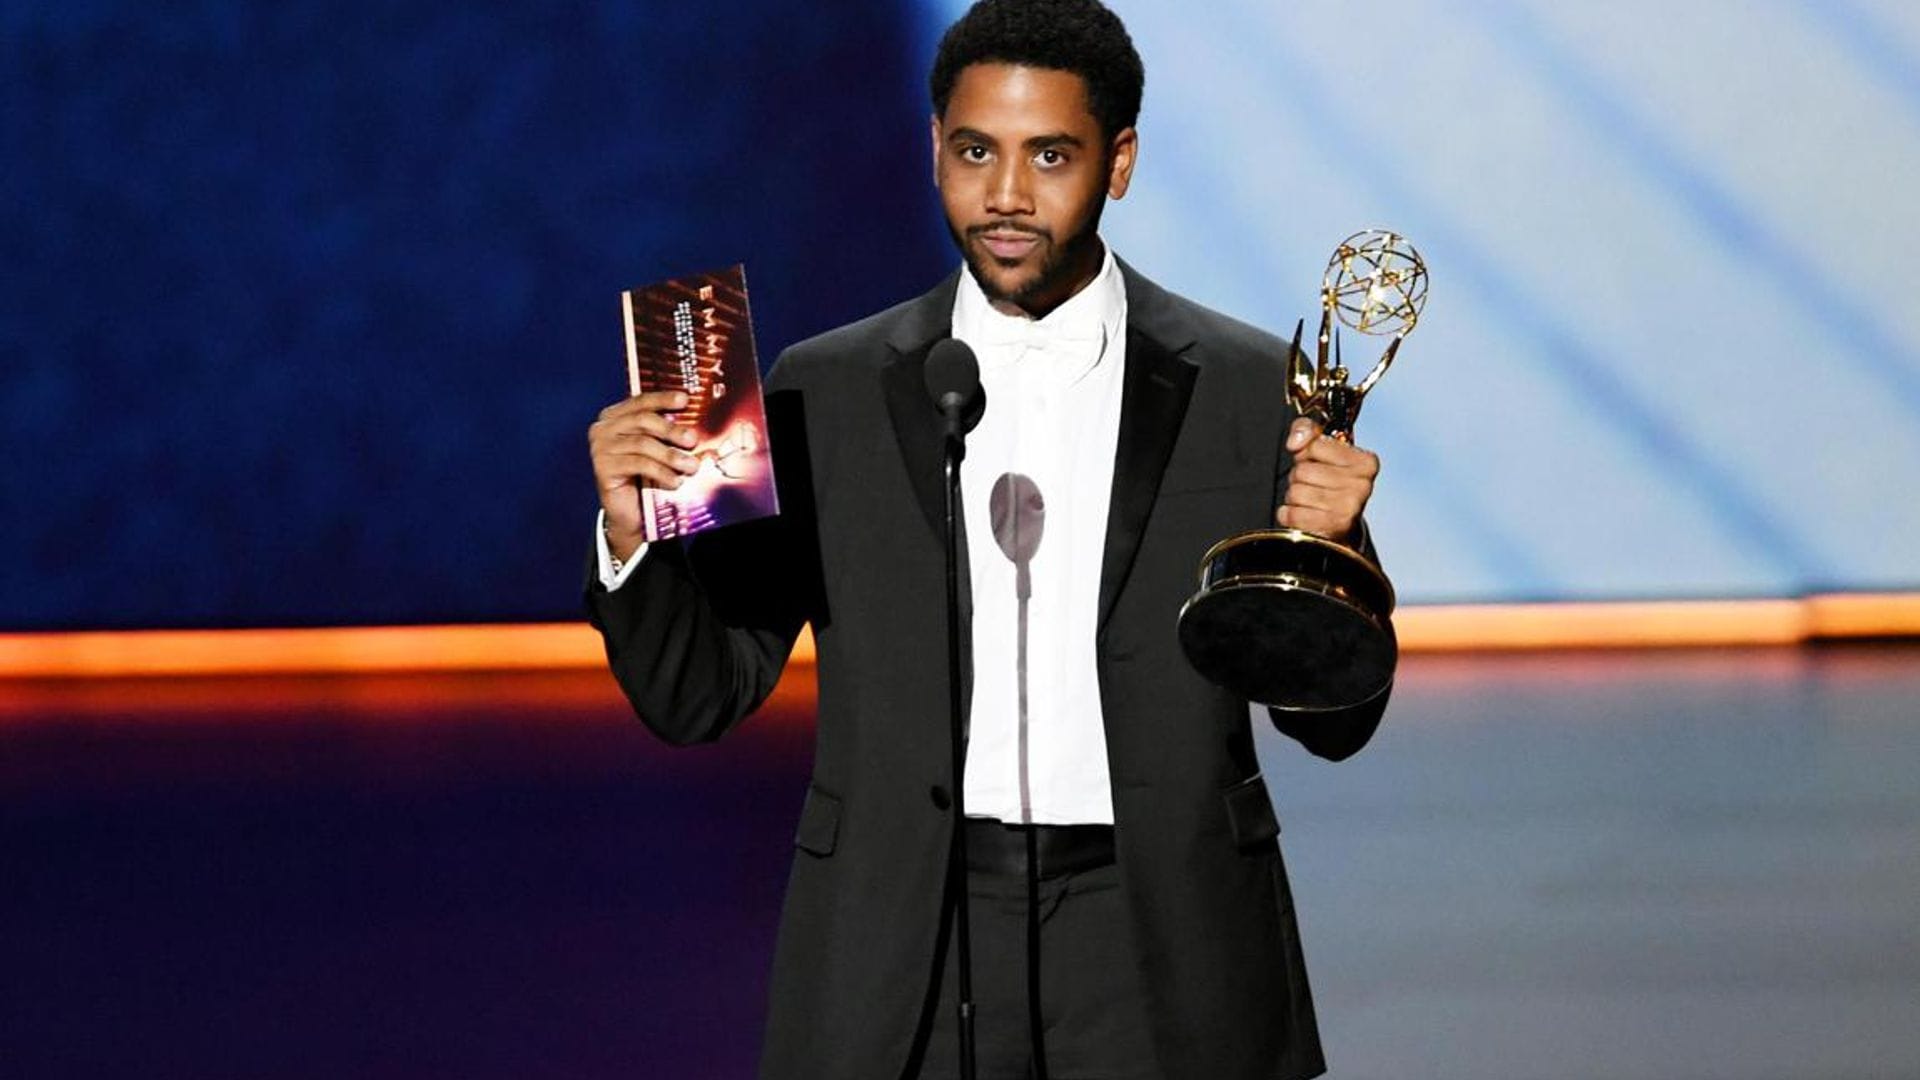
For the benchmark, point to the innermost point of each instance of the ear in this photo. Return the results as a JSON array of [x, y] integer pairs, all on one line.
[[933, 127], [1121, 153]]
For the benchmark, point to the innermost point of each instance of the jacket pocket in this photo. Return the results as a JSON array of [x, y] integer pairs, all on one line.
[[819, 827], [1250, 814]]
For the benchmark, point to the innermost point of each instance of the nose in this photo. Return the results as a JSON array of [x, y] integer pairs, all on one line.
[[1008, 192]]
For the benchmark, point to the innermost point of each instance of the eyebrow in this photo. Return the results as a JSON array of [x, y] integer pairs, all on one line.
[[1038, 142], [1047, 142]]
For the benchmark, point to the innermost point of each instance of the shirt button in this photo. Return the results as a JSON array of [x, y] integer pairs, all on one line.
[[939, 797]]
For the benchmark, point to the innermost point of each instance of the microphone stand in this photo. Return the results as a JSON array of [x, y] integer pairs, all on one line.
[[1019, 517], [955, 452]]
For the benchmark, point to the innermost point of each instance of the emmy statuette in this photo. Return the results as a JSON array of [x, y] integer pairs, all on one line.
[[1283, 617]]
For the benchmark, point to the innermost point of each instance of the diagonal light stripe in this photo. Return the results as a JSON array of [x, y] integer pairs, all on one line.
[[1875, 348], [1862, 34], [1746, 518]]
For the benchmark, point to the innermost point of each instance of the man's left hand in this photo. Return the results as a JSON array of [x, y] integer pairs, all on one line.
[[1330, 483]]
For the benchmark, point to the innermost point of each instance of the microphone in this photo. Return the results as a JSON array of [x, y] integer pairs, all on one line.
[[953, 382], [1019, 517]]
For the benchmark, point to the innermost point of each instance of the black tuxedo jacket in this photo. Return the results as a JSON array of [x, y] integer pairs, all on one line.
[[697, 639]]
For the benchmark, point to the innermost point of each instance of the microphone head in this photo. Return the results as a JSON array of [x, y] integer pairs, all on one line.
[[953, 382], [1019, 516]]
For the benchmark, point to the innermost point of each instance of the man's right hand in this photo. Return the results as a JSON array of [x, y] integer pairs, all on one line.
[[635, 445]]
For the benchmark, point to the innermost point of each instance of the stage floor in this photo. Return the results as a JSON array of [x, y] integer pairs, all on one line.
[[1683, 865]]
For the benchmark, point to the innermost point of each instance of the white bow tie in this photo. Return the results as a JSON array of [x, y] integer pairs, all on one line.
[[1038, 333], [1075, 345]]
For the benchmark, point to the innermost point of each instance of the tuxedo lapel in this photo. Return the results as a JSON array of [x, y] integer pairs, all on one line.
[[916, 423], [1153, 403], [916, 427]]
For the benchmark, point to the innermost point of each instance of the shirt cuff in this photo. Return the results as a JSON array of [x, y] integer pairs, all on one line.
[[612, 576]]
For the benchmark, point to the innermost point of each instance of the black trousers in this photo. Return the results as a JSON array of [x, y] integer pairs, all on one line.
[[1093, 999]]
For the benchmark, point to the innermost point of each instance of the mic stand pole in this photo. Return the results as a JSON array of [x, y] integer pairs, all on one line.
[[956, 451]]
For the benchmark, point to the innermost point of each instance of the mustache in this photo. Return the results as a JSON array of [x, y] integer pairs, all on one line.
[[974, 231]]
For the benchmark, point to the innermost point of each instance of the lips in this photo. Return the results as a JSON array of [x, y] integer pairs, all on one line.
[[1009, 245]]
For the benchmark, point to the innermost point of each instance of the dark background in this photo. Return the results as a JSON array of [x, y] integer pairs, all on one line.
[[308, 306]]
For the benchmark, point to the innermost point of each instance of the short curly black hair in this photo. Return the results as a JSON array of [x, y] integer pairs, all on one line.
[[1078, 36]]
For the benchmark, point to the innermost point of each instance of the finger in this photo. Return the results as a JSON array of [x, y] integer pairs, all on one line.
[[651, 427], [1343, 454], [1314, 474], [651, 401], [1319, 474], [1303, 433], [649, 424], [1347, 498], [650, 447], [1328, 469], [644, 420], [659, 400], [642, 475], [617, 463], [661, 475], [646, 472], [1342, 504]]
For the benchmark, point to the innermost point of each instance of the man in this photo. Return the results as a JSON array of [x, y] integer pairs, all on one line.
[[1150, 428]]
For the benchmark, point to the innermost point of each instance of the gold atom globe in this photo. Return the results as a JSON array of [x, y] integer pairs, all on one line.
[[1376, 283]]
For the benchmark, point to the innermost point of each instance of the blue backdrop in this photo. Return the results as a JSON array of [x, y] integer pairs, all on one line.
[[307, 308]]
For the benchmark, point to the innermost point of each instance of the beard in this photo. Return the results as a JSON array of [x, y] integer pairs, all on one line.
[[1059, 262]]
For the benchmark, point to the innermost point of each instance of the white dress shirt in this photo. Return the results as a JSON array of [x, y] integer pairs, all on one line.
[[1053, 414], [1053, 390]]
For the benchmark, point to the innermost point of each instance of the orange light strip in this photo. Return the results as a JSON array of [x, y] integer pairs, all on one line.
[[368, 649], [1844, 615], [563, 646], [1613, 625]]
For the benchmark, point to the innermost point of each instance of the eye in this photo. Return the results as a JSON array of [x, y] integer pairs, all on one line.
[[973, 152], [1050, 157]]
